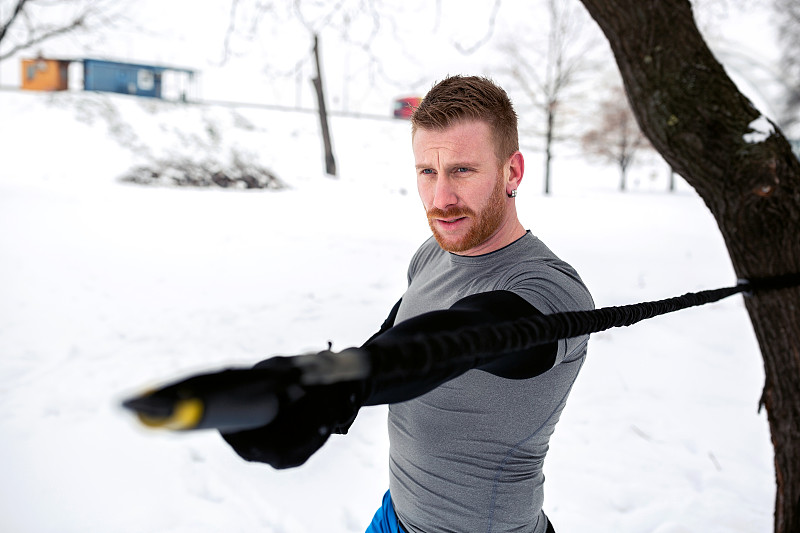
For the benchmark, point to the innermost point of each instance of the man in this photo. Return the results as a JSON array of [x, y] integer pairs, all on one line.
[[466, 446]]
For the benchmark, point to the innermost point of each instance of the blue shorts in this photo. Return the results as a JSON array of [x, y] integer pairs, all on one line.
[[385, 519]]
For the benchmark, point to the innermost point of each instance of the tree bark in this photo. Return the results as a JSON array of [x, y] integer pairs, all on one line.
[[698, 120]]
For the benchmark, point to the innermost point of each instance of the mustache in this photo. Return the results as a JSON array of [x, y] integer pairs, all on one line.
[[453, 212]]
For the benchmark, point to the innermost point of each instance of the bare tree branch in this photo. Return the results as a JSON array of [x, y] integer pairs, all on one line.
[[14, 14], [226, 45], [314, 26], [31, 22], [788, 15], [487, 36], [77, 23]]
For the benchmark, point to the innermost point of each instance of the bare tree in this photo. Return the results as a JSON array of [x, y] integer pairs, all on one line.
[[743, 168], [546, 73], [788, 16], [361, 29], [26, 24], [616, 137]]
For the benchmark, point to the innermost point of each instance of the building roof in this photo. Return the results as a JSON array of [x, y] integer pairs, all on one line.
[[159, 68]]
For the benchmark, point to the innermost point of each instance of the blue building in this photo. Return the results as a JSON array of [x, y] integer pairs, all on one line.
[[126, 78]]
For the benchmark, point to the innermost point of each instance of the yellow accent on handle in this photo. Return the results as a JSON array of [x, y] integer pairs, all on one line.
[[187, 415]]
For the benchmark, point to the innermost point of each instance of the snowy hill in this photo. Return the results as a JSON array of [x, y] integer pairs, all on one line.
[[108, 287]]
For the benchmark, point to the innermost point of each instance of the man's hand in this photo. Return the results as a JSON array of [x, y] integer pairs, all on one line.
[[279, 412], [306, 418]]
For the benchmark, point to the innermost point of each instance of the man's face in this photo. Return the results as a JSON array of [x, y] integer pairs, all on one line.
[[462, 186]]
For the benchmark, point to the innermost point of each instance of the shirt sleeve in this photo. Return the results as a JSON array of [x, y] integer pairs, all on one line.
[[479, 309], [552, 287]]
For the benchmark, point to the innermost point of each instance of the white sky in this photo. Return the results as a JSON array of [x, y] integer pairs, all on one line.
[[415, 53]]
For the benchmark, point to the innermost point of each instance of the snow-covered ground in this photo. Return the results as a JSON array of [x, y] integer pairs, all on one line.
[[107, 288]]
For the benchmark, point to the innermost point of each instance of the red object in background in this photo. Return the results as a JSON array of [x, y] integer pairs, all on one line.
[[404, 107]]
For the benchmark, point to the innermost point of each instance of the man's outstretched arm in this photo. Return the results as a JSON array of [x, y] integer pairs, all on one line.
[[304, 422]]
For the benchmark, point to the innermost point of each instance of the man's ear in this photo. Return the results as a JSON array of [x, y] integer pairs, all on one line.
[[516, 169]]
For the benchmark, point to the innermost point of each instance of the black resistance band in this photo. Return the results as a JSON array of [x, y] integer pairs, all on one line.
[[237, 399], [475, 345]]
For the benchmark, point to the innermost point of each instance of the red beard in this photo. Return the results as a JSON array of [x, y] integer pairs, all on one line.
[[484, 224]]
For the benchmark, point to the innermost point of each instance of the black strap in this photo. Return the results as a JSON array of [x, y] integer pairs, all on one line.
[[477, 344]]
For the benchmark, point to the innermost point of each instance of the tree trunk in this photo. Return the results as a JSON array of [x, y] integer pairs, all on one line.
[[697, 119], [548, 148], [623, 175], [330, 161]]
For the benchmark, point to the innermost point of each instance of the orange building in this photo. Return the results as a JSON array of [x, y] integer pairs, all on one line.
[[45, 74]]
